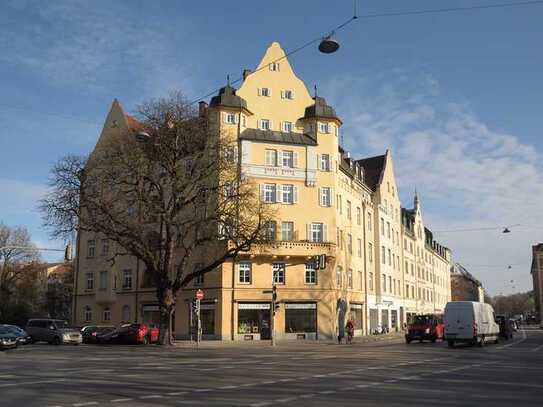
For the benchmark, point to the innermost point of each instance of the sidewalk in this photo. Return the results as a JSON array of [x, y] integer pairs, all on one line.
[[213, 344]]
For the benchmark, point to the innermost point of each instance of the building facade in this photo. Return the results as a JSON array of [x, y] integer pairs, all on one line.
[[464, 286], [327, 203], [537, 277]]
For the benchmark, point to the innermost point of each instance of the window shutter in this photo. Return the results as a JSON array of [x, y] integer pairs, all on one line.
[[282, 94], [295, 160], [279, 193], [321, 203], [259, 92], [259, 124], [318, 162], [224, 119], [294, 194], [236, 118], [261, 192], [331, 196], [279, 158], [269, 92], [324, 233], [270, 124], [308, 232], [292, 94]]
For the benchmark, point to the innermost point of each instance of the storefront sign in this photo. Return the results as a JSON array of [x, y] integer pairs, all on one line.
[[150, 308], [208, 306], [356, 306], [300, 306], [254, 306]]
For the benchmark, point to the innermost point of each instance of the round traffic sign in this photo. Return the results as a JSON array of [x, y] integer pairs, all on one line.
[[200, 294]]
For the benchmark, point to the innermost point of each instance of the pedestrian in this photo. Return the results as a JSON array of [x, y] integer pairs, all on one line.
[[350, 331]]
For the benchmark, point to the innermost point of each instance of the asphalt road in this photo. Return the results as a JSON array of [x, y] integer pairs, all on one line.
[[254, 375]]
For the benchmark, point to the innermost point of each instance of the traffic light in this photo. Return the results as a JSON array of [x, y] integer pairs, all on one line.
[[320, 262], [196, 306]]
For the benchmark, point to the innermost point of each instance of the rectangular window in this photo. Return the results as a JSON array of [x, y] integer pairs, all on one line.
[[103, 280], [278, 270], [389, 258], [265, 92], [287, 231], [388, 230], [288, 159], [326, 196], [359, 247], [287, 94], [288, 193], [91, 248], [382, 227], [271, 158], [287, 127], [230, 118], [310, 274], [325, 162], [384, 283], [127, 279], [199, 280], [370, 252], [274, 66], [339, 274], [350, 243], [358, 216], [265, 124], [270, 230], [105, 247], [361, 280], [369, 221], [370, 280], [350, 278], [383, 255], [244, 273], [90, 281], [348, 209], [107, 314], [324, 128], [270, 193], [317, 232]]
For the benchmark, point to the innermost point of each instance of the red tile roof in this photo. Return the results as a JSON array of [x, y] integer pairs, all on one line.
[[133, 123]]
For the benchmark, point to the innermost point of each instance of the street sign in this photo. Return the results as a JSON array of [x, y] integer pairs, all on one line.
[[199, 294]]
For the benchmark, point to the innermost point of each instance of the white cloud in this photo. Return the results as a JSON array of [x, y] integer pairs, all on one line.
[[94, 48], [469, 174]]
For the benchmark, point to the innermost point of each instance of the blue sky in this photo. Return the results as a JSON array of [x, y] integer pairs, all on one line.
[[457, 96]]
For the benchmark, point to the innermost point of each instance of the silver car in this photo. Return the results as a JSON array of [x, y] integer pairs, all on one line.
[[53, 331]]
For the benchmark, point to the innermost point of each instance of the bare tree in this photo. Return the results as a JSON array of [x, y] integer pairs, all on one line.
[[171, 195]]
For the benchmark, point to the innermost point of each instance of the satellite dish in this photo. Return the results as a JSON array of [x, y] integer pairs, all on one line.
[[328, 45]]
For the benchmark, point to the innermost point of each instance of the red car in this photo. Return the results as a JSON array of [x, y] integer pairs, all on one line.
[[425, 327], [130, 334]]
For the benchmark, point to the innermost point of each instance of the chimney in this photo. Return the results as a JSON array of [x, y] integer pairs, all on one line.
[[246, 73], [202, 108]]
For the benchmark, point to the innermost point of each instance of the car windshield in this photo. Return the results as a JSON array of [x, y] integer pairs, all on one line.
[[5, 331], [14, 329], [421, 320]]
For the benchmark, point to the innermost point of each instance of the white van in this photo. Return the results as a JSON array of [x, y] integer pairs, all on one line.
[[470, 322]]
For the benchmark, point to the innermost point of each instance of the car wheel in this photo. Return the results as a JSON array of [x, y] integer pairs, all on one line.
[[451, 344], [56, 341]]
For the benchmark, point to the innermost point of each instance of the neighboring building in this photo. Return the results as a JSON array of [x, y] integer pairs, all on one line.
[[537, 277], [328, 203], [465, 287]]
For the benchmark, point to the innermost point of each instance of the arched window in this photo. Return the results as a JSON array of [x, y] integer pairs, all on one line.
[[126, 313], [88, 313]]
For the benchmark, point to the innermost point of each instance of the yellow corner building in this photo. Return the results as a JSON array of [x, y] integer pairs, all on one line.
[[383, 265]]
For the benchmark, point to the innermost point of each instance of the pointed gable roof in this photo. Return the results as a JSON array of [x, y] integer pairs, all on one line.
[[373, 168]]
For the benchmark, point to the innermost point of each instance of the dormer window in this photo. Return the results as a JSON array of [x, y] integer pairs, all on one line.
[[287, 127], [287, 94], [230, 118], [264, 92], [264, 124], [274, 66]]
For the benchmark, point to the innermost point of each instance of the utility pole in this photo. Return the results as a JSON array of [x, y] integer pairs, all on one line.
[[274, 307]]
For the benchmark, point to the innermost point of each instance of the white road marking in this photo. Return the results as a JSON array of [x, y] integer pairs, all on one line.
[[120, 400], [88, 403], [285, 400], [327, 392], [151, 396], [536, 349], [176, 393], [228, 387], [30, 383], [307, 396], [202, 390], [262, 404]]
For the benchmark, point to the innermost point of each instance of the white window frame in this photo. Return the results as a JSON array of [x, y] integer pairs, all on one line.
[[350, 278], [287, 94], [325, 196], [317, 232], [266, 92], [287, 231], [91, 248], [270, 193], [310, 274], [278, 273], [127, 279], [324, 162], [106, 315], [90, 281], [286, 127], [265, 124], [244, 272], [270, 156], [287, 193], [287, 159], [274, 66], [88, 313]]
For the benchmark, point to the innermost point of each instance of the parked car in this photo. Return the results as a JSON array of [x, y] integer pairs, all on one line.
[[531, 320], [23, 338], [506, 327], [425, 327], [53, 331], [470, 322], [514, 324], [130, 334], [90, 333], [8, 340]]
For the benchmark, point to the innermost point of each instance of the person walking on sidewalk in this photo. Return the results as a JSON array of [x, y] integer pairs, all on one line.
[[350, 330]]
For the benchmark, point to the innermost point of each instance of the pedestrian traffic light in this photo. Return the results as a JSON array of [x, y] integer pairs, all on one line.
[[321, 262], [196, 306]]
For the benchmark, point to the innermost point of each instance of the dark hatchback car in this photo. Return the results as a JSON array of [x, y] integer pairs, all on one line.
[[91, 333], [8, 340], [130, 334], [22, 336]]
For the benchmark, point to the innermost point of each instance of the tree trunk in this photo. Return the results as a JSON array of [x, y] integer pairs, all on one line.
[[165, 335]]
